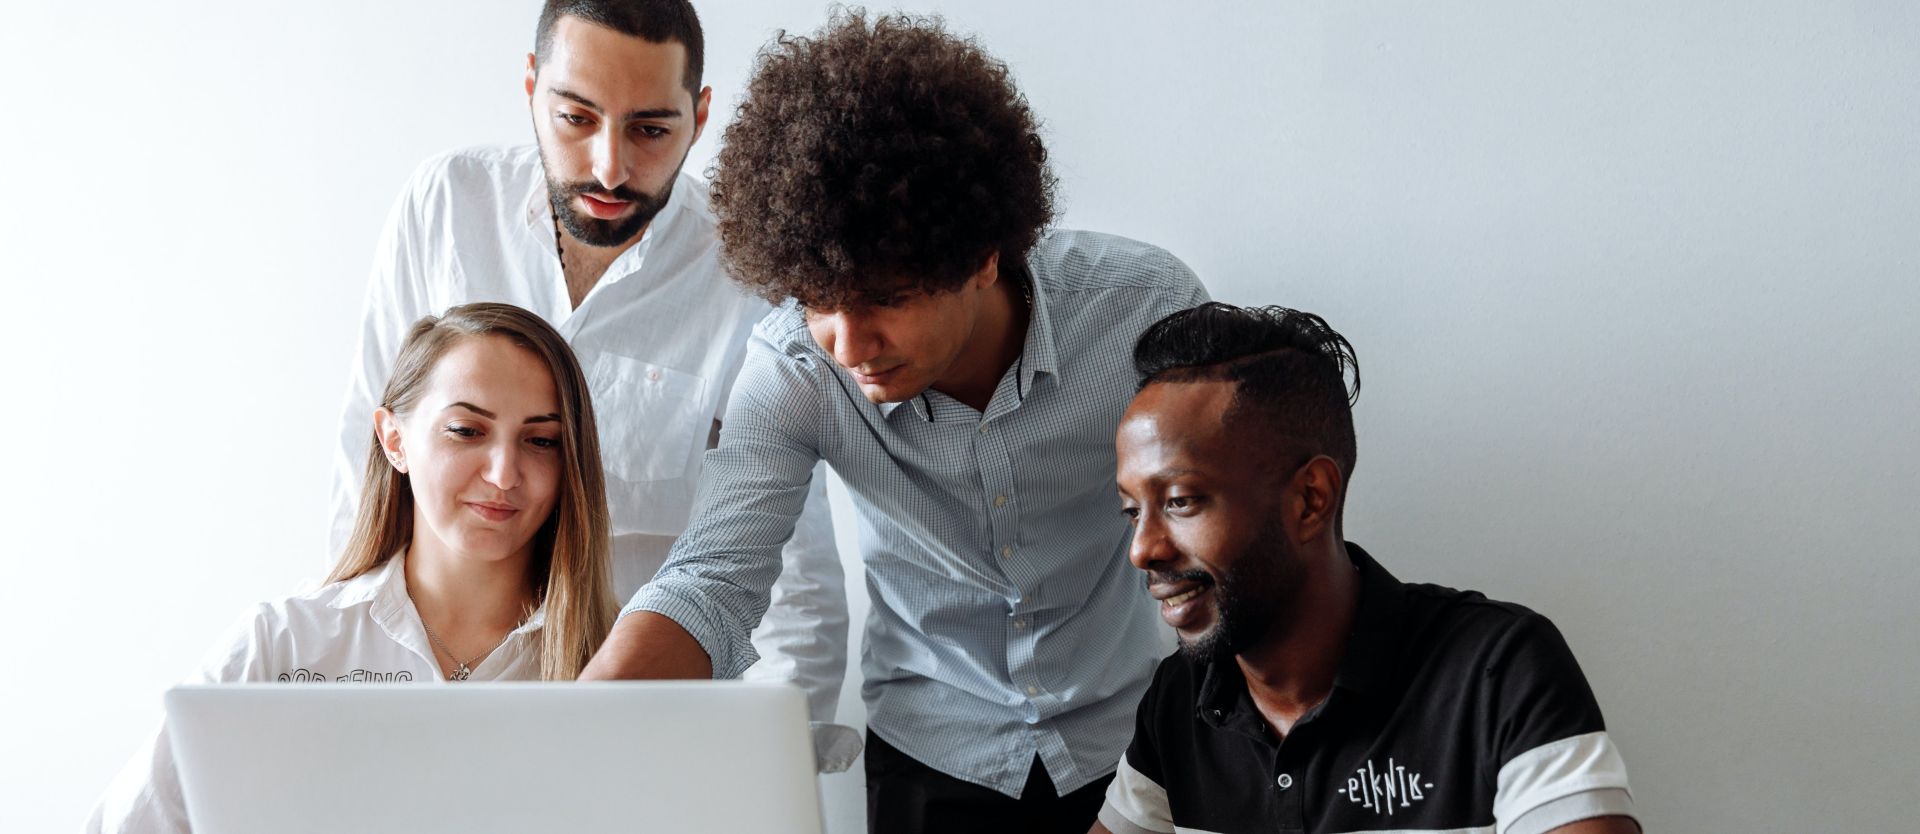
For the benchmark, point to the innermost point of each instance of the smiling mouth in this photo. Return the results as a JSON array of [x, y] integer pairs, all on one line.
[[1180, 599]]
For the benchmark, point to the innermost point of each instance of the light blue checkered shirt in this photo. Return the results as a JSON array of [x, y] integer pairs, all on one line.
[[1006, 621]]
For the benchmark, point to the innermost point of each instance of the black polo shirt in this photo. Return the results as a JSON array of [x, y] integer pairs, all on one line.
[[1450, 712]]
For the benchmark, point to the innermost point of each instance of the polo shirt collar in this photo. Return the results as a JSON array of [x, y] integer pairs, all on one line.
[[1366, 667], [1038, 354]]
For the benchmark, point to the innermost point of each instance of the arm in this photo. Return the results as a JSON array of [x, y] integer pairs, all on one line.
[[145, 797], [803, 637], [1601, 825], [1558, 769], [395, 298], [716, 584]]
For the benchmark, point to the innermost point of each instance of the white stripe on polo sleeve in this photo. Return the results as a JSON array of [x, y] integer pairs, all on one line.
[[1565, 781], [1135, 804]]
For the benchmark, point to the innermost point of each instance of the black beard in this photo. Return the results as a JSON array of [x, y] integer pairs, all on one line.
[[1250, 598], [594, 231]]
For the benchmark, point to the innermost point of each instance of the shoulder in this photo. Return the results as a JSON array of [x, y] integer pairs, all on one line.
[[1469, 625], [485, 173], [1069, 260], [265, 632], [1173, 694]]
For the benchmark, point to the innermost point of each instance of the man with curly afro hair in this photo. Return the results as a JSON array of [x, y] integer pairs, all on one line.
[[963, 370]]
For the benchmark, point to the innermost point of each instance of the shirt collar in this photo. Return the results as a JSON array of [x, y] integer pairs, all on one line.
[[375, 584], [386, 588], [1038, 354], [1373, 648], [1366, 667]]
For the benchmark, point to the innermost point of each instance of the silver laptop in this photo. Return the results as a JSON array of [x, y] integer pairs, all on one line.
[[695, 756]]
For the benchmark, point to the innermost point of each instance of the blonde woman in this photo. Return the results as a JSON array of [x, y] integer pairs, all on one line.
[[479, 551]]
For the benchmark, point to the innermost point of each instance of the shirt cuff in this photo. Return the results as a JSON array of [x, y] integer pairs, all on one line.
[[729, 651], [1572, 808], [835, 746]]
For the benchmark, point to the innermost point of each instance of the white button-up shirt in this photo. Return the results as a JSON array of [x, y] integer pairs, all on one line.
[[660, 337], [363, 630]]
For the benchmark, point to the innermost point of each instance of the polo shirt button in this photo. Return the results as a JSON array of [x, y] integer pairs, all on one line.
[[1285, 781]]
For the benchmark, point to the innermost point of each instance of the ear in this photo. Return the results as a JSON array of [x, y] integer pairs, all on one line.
[[1313, 500], [700, 104], [533, 74], [386, 429], [989, 273]]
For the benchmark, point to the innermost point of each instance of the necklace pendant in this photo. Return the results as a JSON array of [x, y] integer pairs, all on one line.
[[460, 674]]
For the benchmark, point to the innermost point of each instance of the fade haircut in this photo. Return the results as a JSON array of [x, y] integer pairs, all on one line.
[[654, 21], [1288, 367], [873, 153]]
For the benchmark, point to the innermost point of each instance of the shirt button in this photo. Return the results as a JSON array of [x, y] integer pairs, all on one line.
[[1285, 781], [1006, 552], [999, 500], [983, 428], [1033, 690], [1020, 623], [653, 376]]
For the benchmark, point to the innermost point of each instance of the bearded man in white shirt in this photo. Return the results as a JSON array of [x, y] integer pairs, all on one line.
[[596, 229]]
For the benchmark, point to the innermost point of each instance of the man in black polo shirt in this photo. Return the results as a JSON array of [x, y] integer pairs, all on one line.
[[1314, 692]]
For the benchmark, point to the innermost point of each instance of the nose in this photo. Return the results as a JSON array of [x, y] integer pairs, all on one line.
[[1150, 548], [503, 466], [610, 159], [849, 338]]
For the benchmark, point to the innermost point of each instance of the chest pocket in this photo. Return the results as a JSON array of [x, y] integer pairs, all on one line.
[[652, 418]]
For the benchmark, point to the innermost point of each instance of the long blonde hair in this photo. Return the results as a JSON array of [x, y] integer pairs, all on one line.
[[571, 568]]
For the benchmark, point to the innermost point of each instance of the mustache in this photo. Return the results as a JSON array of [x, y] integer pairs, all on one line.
[[571, 190], [1170, 577]]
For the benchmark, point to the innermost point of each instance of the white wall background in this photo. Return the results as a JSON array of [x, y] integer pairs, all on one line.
[[1633, 286]]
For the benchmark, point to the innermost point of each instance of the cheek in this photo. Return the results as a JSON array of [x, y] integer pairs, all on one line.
[[822, 335], [542, 485]]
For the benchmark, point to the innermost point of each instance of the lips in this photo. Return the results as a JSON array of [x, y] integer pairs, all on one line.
[[876, 379], [492, 511], [605, 208], [1182, 604]]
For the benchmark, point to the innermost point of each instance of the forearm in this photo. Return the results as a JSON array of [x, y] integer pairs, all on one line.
[[649, 646]]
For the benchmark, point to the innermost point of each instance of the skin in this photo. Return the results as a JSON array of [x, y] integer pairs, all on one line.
[[481, 450], [959, 343], [613, 109], [1200, 502]]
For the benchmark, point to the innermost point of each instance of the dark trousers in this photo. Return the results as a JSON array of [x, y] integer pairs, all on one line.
[[907, 797]]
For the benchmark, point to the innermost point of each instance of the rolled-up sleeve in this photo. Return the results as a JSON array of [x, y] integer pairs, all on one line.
[[716, 583]]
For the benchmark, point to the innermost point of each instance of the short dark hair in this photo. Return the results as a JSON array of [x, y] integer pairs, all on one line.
[[1289, 369], [655, 21], [874, 156]]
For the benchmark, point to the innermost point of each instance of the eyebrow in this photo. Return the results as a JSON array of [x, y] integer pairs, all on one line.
[[538, 418], [583, 101]]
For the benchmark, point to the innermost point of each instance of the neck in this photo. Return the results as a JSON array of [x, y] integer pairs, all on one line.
[[999, 335], [583, 265], [466, 597], [1292, 670]]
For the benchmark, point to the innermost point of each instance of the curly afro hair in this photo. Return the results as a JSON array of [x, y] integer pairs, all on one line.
[[876, 156]]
